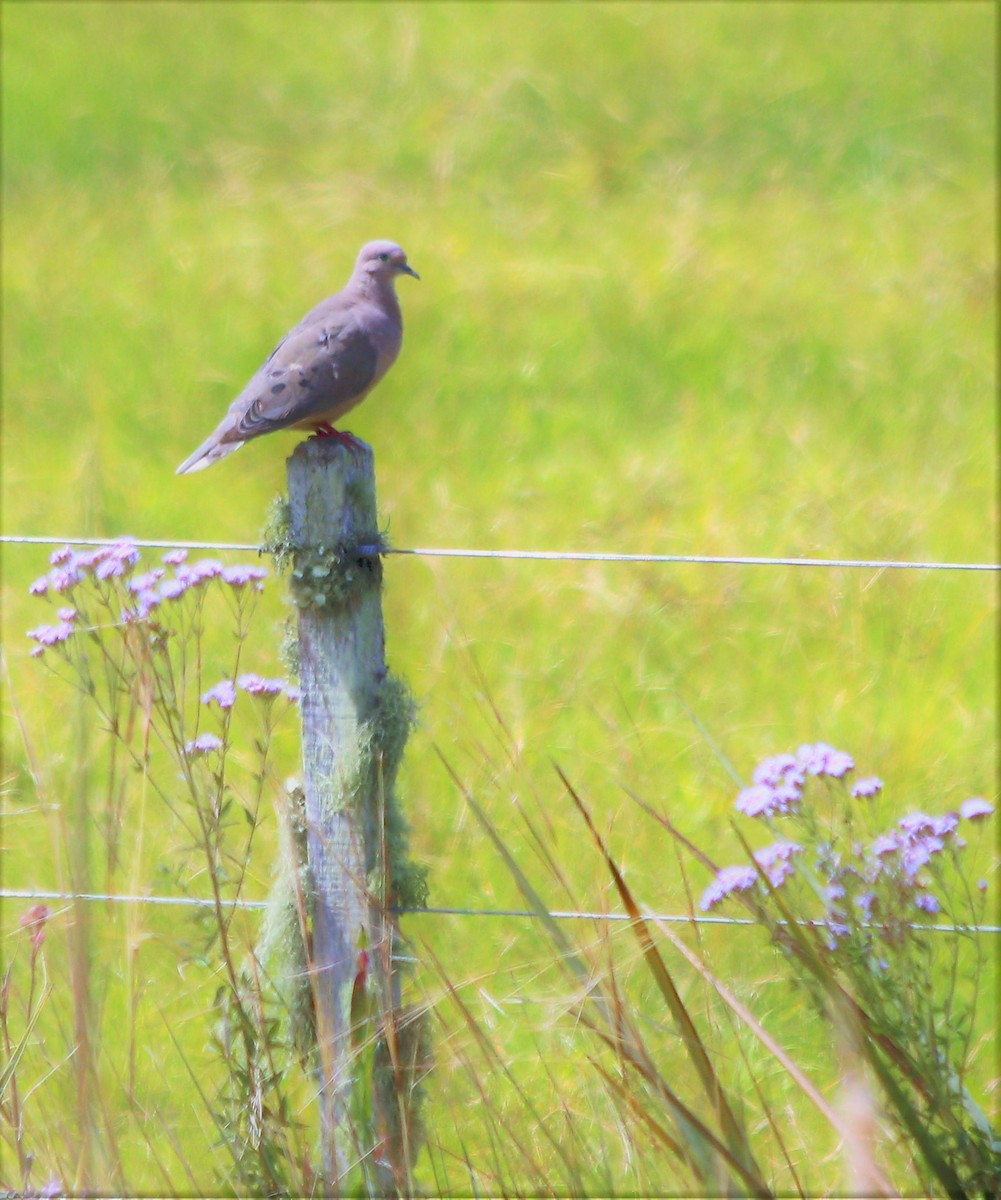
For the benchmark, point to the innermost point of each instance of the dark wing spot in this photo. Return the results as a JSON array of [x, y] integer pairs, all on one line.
[[277, 389]]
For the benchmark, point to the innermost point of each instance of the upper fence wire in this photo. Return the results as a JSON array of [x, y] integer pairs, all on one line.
[[612, 556]]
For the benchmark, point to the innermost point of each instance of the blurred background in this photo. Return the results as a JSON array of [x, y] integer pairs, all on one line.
[[696, 279]]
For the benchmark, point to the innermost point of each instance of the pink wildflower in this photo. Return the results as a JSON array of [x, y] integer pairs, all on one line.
[[224, 694]]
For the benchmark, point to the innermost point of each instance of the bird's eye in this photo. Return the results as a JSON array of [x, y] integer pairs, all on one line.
[[383, 257]]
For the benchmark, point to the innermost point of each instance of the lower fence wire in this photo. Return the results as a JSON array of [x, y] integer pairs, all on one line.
[[556, 914]]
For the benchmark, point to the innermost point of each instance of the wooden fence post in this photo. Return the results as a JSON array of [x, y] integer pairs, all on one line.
[[342, 669]]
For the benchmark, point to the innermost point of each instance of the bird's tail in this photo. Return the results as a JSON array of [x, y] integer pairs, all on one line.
[[208, 452]]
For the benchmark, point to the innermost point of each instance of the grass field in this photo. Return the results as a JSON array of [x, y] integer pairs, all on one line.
[[696, 279]]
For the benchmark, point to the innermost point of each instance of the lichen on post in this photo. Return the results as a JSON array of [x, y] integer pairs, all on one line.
[[355, 718]]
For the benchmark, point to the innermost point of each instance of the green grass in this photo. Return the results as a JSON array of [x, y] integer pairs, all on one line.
[[696, 279]]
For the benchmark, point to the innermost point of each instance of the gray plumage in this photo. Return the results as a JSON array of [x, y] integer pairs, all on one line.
[[323, 366]]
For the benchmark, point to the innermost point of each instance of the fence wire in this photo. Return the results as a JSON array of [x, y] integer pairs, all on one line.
[[609, 556], [556, 914]]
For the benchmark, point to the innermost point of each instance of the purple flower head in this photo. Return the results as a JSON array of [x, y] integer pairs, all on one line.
[[821, 759], [109, 567], [199, 572], [51, 635], [921, 825], [916, 824], [63, 554], [171, 589], [886, 843], [757, 801], [115, 560], [40, 586], [866, 901], [257, 686], [174, 558], [85, 560], [66, 613], [778, 771], [787, 796], [927, 902], [224, 694], [728, 879], [207, 568], [975, 808], [981, 883], [63, 578], [292, 691], [205, 743], [866, 788], [145, 581], [776, 861], [239, 576], [918, 854], [146, 601]]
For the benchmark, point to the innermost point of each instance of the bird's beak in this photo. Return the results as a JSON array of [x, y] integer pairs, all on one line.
[[406, 269]]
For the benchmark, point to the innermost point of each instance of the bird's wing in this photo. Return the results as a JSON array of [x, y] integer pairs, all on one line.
[[317, 369]]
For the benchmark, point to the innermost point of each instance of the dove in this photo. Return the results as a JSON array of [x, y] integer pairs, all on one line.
[[324, 366]]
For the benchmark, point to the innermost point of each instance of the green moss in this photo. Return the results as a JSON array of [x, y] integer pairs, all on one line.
[[409, 879], [288, 647], [394, 716], [371, 782], [323, 577], [276, 537], [281, 950], [327, 577]]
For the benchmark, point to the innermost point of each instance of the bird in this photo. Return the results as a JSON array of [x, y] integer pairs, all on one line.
[[324, 366]]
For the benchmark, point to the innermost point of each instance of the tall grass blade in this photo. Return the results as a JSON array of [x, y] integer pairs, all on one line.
[[9, 1069], [734, 1134]]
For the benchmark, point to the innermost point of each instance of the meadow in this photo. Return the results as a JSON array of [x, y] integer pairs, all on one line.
[[696, 279]]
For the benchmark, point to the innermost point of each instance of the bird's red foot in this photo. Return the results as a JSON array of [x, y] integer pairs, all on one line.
[[326, 430]]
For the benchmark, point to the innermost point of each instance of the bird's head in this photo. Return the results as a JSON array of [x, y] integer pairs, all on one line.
[[383, 261]]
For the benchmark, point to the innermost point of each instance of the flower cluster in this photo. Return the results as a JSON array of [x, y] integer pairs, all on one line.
[[70, 567], [778, 782], [224, 692], [110, 589], [142, 591], [886, 881], [53, 635], [774, 861]]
